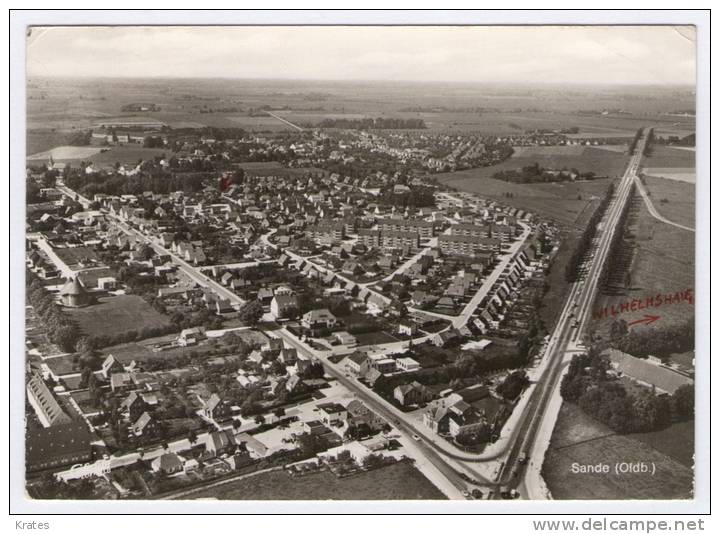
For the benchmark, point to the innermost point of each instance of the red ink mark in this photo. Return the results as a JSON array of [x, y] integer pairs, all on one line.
[[648, 319]]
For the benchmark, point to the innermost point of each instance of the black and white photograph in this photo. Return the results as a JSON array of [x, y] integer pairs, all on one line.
[[359, 262]]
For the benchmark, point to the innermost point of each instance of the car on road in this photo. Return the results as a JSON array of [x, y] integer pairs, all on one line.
[[522, 460], [416, 437]]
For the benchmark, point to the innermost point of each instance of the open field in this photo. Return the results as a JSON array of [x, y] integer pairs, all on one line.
[[566, 202], [66, 153], [677, 441], [680, 197], [664, 262], [680, 174], [577, 438], [445, 107], [669, 157], [116, 314], [398, 481]]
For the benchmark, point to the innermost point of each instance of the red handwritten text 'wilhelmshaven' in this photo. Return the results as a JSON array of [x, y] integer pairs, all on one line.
[[654, 301]]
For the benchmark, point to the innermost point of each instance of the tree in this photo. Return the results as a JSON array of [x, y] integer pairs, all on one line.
[[259, 420], [513, 384], [683, 402], [192, 436], [251, 312], [236, 424]]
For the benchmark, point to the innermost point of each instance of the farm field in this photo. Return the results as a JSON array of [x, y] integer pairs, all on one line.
[[669, 157], [674, 199], [66, 153], [566, 202], [679, 174], [116, 314], [398, 481], [579, 438], [102, 156]]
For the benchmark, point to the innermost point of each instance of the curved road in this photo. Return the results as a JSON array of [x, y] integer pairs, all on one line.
[[653, 211]]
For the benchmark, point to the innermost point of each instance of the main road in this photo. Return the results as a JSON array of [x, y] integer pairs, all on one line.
[[540, 418]]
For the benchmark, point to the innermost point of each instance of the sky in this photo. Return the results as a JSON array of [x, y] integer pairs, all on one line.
[[658, 55]]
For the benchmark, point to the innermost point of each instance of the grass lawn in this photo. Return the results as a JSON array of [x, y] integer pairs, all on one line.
[[116, 314], [400, 481], [374, 338], [578, 438]]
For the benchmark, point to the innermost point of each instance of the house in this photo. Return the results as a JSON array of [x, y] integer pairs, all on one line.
[[265, 295], [288, 356], [191, 336], [447, 337], [357, 363], [144, 426], [314, 428], [407, 328], [167, 464], [346, 339], [316, 319], [359, 413], [412, 394], [283, 306], [332, 413], [382, 363], [110, 365], [121, 382], [134, 405], [220, 442], [215, 409], [407, 364], [107, 283], [453, 416]]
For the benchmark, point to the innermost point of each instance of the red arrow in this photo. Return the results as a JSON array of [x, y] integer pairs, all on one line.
[[648, 319]]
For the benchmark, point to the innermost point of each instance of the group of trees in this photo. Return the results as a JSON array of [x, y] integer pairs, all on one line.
[[470, 364], [617, 264], [61, 330], [95, 183], [531, 174], [417, 197], [649, 142], [658, 341], [380, 123], [634, 141], [599, 394], [584, 243]]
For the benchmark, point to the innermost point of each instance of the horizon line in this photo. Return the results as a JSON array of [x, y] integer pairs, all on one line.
[[369, 80]]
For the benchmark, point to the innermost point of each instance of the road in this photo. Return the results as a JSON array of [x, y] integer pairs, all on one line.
[[651, 207], [507, 258], [189, 270], [298, 128], [570, 326]]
